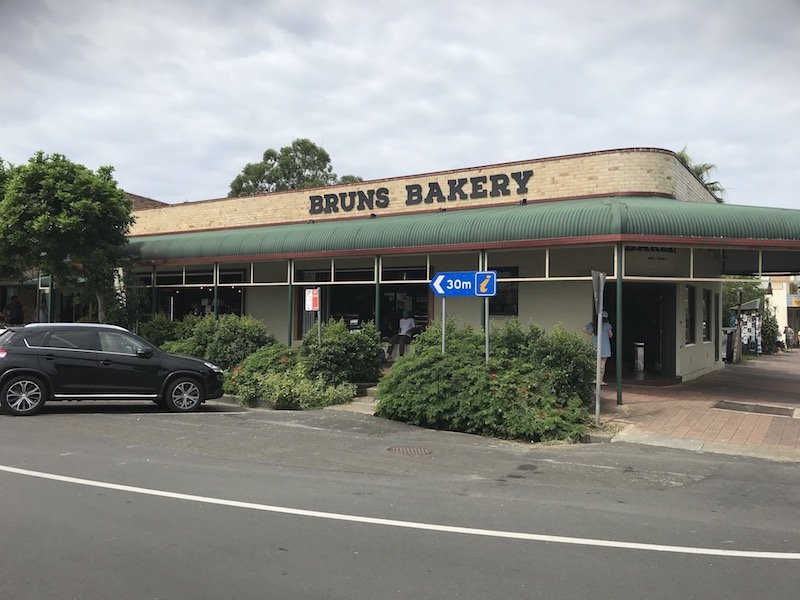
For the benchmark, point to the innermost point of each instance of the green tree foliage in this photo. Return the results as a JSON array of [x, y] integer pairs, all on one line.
[[739, 289], [5, 173], [61, 218], [301, 165], [703, 172]]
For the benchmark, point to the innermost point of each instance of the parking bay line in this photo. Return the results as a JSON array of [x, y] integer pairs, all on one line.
[[514, 535]]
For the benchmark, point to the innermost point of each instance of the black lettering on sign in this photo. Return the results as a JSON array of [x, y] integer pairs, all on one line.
[[382, 197], [434, 193], [457, 189], [331, 202], [413, 194], [314, 205]]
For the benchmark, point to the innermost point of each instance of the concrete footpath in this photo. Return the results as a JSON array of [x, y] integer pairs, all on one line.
[[749, 409]]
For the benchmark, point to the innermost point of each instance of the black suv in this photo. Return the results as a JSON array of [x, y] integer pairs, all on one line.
[[82, 361]]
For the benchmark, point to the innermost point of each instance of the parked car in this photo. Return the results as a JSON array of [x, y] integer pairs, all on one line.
[[82, 361]]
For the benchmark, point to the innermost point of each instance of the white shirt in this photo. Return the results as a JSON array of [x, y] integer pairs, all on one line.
[[406, 325]]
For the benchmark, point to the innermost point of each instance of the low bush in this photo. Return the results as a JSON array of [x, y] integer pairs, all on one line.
[[231, 339], [275, 375], [159, 330], [226, 341], [343, 356], [244, 379], [290, 389], [532, 389]]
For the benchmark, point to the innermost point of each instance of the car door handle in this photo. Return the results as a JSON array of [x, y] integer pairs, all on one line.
[[105, 362], [49, 356]]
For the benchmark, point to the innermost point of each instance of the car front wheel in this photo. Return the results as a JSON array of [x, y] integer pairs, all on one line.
[[23, 395], [183, 395]]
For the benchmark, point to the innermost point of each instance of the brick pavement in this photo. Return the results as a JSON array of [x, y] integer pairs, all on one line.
[[684, 416]]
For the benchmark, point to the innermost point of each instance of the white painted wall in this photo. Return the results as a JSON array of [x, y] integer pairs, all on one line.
[[697, 359], [270, 305]]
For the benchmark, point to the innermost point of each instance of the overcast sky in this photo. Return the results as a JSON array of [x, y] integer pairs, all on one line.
[[179, 96]]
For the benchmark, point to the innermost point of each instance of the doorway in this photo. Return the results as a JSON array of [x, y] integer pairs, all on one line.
[[648, 322]]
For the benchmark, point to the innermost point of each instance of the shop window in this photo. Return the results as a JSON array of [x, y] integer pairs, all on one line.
[[169, 278], [691, 312], [506, 302], [200, 277], [706, 315], [231, 277]]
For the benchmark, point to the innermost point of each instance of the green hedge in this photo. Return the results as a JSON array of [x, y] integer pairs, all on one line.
[[343, 356], [534, 387], [226, 341], [275, 375]]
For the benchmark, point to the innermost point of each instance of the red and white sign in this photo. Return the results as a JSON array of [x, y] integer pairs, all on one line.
[[312, 300]]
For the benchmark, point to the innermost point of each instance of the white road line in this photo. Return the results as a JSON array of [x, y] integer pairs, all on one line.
[[514, 535]]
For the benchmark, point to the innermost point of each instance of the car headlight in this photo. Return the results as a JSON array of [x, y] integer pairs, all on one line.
[[213, 367]]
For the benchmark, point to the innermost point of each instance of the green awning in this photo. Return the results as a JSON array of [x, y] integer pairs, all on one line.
[[578, 221]]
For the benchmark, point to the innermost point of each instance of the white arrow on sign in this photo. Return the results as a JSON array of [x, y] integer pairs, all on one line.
[[437, 284]]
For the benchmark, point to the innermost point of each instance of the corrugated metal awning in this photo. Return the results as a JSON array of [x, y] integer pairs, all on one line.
[[604, 220]]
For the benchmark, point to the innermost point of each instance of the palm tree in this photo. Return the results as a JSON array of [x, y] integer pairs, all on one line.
[[702, 171]]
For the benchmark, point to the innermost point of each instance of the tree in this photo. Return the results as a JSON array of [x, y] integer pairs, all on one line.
[[703, 172], [301, 165], [63, 219], [5, 173]]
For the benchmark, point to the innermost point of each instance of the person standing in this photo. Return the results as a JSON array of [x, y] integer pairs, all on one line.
[[788, 333], [605, 342]]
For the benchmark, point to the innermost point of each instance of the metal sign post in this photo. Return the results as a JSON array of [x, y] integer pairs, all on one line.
[[598, 285], [444, 301], [312, 305]]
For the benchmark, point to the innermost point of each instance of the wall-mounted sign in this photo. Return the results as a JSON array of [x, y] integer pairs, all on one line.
[[495, 185]]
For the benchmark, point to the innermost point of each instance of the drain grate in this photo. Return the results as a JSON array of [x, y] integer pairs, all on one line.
[[761, 409], [409, 450]]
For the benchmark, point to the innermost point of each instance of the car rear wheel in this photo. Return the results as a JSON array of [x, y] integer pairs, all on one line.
[[183, 395], [23, 395]]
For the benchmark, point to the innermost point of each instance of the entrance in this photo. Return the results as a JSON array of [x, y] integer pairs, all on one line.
[[648, 319]]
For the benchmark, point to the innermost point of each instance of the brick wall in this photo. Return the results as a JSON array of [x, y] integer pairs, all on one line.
[[626, 172]]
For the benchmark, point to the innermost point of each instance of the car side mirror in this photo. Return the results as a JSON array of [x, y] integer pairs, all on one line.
[[144, 352]]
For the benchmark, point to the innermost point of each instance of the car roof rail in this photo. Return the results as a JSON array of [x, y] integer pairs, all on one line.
[[87, 325]]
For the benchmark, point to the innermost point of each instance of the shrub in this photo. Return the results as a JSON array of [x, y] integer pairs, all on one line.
[[294, 390], [226, 341], [275, 358], [159, 330], [567, 362], [230, 339], [342, 356], [530, 390], [185, 347], [244, 380]]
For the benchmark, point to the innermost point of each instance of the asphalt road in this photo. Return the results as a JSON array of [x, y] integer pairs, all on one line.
[[127, 502]]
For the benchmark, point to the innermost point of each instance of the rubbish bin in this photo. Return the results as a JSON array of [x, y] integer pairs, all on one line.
[[638, 360]]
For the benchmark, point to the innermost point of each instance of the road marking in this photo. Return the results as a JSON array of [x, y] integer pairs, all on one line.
[[513, 535]]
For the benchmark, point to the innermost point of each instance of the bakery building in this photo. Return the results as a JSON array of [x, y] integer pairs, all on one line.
[[638, 215]]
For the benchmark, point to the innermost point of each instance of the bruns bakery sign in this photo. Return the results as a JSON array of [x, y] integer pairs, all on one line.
[[478, 187]]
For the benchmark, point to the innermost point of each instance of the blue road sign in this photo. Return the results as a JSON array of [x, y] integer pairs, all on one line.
[[465, 283]]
